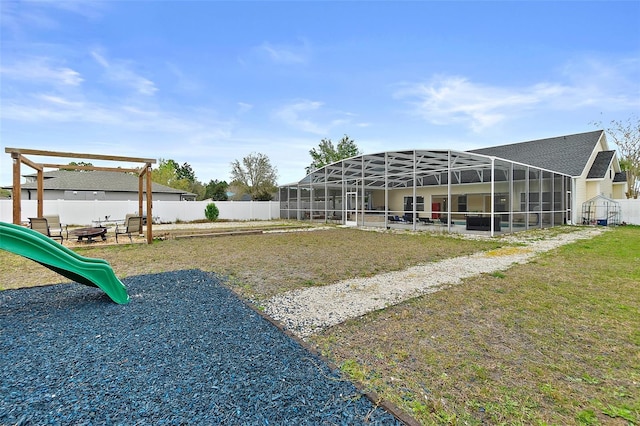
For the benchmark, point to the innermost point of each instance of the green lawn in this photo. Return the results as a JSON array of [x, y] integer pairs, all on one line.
[[555, 341]]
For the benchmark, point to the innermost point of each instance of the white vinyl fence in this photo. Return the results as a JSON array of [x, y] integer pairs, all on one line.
[[630, 211], [85, 212], [81, 212]]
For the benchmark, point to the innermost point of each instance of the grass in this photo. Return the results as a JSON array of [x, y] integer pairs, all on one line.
[[261, 266], [555, 341]]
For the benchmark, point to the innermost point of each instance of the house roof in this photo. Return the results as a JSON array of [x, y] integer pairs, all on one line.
[[620, 177], [65, 180], [564, 154], [600, 165]]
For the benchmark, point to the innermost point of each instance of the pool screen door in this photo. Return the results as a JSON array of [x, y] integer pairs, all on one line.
[[351, 209]]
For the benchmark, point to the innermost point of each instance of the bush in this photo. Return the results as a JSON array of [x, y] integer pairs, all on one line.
[[211, 212]]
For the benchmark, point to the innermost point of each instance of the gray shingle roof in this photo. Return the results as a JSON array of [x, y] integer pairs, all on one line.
[[565, 154], [96, 181], [600, 165], [620, 177]]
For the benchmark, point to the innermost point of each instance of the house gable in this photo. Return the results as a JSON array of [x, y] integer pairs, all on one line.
[[601, 165]]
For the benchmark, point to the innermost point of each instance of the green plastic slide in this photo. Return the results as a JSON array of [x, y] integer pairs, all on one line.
[[53, 255]]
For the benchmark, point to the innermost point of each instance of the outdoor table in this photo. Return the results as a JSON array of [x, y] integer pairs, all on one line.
[[90, 233]]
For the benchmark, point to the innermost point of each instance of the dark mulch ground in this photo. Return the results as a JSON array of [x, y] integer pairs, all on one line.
[[185, 350]]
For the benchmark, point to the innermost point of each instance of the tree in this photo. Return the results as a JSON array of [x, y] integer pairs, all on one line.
[[165, 173], [185, 172], [326, 153], [216, 190], [79, 163], [255, 175], [172, 174], [211, 212], [626, 135]]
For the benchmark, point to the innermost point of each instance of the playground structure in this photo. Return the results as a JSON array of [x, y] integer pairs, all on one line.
[[50, 254]]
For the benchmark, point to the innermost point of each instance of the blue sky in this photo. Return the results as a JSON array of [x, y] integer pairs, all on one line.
[[209, 82]]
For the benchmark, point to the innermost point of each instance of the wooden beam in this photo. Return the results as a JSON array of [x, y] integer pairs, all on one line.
[[97, 168], [25, 151], [36, 166], [16, 189]]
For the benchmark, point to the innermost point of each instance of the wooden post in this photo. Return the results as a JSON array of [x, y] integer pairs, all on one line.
[[40, 192], [16, 189], [149, 205]]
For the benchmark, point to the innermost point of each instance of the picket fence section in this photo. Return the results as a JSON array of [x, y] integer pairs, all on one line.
[[86, 212]]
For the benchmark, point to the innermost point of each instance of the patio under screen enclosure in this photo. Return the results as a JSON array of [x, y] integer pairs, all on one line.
[[453, 190]]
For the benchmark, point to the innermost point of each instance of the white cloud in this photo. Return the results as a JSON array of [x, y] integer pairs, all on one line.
[[20, 17], [453, 99], [244, 107], [585, 82], [311, 117], [610, 82], [292, 115], [60, 101], [41, 70], [44, 109], [121, 72], [286, 54]]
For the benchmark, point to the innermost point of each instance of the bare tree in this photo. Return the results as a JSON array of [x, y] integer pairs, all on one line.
[[255, 175], [626, 135]]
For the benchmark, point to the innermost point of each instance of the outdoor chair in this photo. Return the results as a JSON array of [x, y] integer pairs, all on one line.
[[425, 220], [132, 225], [443, 220], [41, 225], [55, 227]]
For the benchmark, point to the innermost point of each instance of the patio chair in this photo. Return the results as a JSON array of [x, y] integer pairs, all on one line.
[[41, 225], [142, 220], [55, 227], [443, 220], [425, 220], [132, 225]]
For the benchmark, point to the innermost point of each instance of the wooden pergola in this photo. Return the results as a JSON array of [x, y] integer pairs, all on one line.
[[18, 157]]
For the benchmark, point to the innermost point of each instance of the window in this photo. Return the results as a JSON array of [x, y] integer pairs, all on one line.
[[408, 204], [462, 203]]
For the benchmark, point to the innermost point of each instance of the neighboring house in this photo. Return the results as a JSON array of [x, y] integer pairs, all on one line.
[[96, 185], [538, 183]]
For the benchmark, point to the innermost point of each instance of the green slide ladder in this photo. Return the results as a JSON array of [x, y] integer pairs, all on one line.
[[53, 255]]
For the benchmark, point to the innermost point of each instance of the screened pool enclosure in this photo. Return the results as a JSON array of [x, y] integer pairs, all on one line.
[[453, 190]]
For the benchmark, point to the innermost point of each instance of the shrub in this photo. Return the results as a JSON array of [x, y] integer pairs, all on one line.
[[211, 212]]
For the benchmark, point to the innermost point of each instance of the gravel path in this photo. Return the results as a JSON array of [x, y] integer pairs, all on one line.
[[185, 350], [308, 311]]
